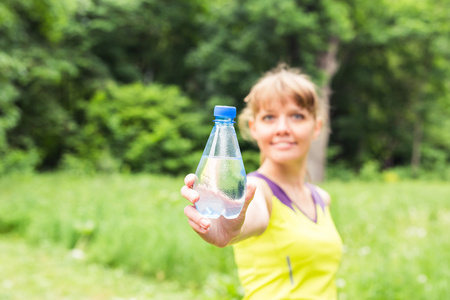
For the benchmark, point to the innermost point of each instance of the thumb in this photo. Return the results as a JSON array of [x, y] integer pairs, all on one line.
[[251, 189]]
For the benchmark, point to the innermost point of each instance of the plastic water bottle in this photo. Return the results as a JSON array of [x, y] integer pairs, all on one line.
[[221, 180]]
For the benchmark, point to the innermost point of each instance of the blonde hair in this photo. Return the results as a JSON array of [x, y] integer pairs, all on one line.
[[279, 85]]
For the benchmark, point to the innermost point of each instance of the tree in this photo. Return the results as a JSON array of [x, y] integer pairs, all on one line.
[[55, 54], [380, 68], [248, 38], [390, 82], [33, 74]]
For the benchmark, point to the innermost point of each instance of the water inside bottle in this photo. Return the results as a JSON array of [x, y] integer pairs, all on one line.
[[221, 184]]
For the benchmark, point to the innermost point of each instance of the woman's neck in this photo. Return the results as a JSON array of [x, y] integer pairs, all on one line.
[[285, 174]]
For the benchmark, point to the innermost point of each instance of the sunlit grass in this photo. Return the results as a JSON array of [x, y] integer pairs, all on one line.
[[394, 235], [132, 222], [52, 273]]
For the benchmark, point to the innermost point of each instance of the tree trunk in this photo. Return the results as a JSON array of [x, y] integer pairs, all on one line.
[[318, 153]]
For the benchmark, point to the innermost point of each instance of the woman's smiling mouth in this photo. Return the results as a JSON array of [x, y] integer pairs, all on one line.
[[282, 145]]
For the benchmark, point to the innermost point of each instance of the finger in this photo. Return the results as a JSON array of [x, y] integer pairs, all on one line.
[[196, 220], [198, 228], [189, 180], [189, 194]]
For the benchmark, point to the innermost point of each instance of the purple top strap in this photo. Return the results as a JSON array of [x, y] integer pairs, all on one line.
[[283, 197]]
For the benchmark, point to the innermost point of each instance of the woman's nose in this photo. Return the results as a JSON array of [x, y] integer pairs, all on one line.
[[282, 125]]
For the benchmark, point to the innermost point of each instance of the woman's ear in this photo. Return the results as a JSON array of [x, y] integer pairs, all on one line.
[[251, 126], [317, 128]]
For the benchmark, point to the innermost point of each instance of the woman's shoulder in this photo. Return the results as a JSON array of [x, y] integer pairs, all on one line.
[[261, 183], [323, 194], [262, 189]]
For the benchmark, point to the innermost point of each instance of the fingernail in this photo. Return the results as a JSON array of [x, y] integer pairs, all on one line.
[[193, 196], [204, 223]]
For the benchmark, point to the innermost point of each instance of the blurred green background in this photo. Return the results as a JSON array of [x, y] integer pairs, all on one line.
[[129, 85], [105, 104]]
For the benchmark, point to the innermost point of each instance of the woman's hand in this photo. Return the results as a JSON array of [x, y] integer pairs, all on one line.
[[219, 232]]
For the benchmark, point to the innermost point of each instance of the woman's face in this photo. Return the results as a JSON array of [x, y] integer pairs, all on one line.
[[284, 132]]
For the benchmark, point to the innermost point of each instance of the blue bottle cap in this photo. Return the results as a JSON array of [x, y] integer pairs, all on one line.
[[225, 111]]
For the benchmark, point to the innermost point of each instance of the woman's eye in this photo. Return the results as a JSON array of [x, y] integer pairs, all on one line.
[[267, 118], [298, 116]]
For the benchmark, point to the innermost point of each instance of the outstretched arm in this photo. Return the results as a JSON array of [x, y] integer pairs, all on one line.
[[222, 232]]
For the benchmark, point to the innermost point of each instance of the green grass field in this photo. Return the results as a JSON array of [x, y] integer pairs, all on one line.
[[51, 272], [132, 240]]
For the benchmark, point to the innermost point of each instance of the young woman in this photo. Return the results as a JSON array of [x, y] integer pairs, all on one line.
[[285, 243]]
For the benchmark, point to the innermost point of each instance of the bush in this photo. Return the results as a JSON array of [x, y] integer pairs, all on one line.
[[150, 128], [19, 161], [370, 171], [340, 171]]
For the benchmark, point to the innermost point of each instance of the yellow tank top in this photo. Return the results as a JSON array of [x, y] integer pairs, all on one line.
[[295, 257]]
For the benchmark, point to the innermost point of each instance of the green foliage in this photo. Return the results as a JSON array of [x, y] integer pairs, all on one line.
[[339, 171], [389, 96], [370, 171], [56, 54], [251, 160], [142, 128], [39, 71], [241, 40], [389, 103], [18, 161]]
